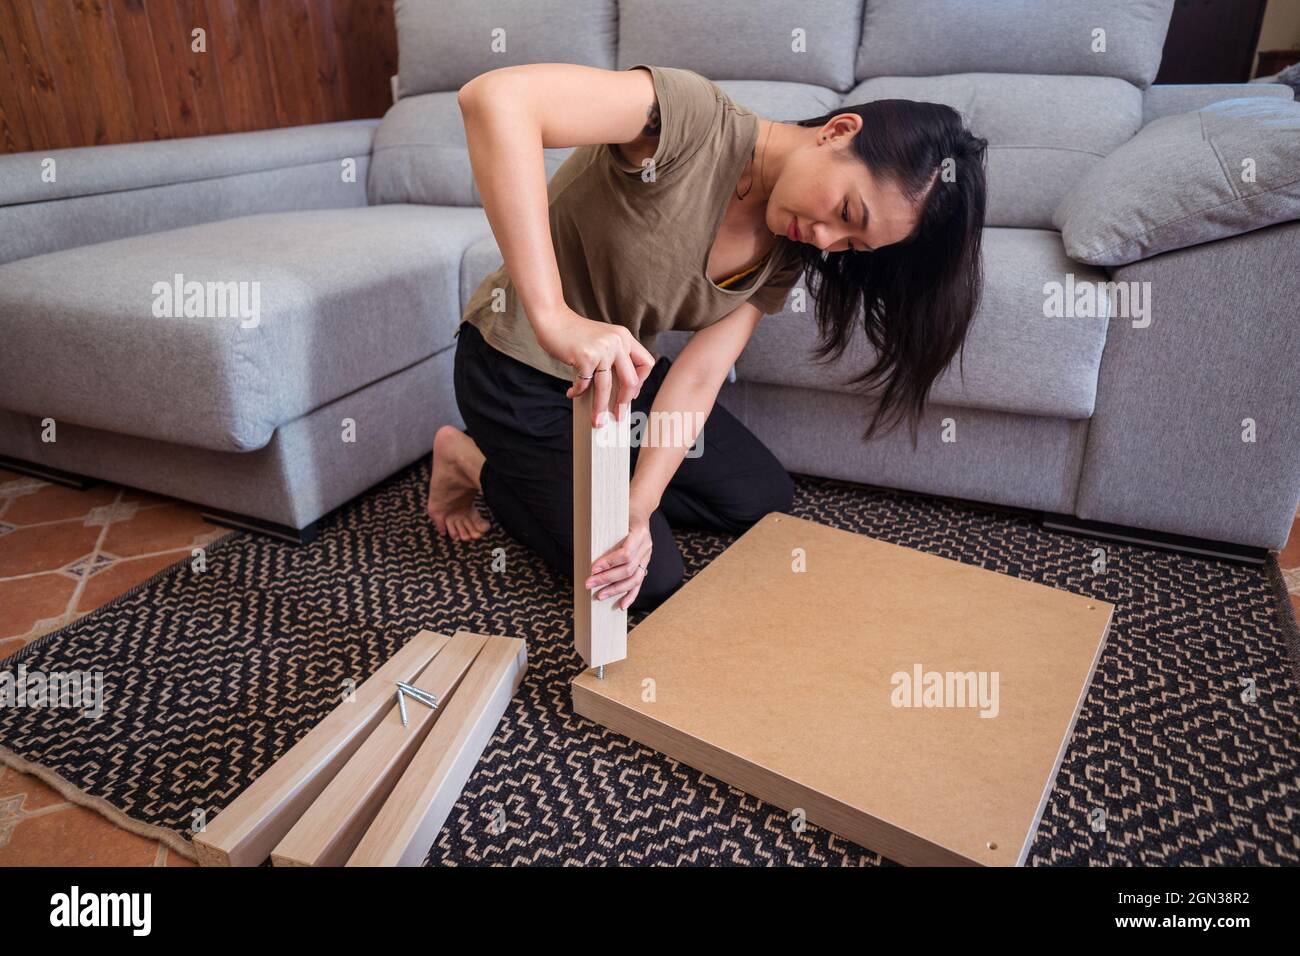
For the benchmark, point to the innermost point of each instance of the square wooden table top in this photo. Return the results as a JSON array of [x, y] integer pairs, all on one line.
[[916, 705]]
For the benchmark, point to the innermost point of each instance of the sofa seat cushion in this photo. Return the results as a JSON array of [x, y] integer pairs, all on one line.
[[293, 310], [1018, 359], [481, 258]]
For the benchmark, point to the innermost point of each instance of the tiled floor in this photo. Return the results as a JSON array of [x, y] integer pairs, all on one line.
[[63, 553]]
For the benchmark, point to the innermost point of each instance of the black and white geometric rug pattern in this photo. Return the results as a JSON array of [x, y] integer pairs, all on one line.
[[1187, 742]]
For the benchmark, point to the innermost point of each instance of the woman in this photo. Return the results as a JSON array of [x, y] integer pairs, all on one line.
[[684, 210]]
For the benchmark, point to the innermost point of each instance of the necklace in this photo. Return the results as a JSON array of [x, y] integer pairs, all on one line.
[[761, 165]]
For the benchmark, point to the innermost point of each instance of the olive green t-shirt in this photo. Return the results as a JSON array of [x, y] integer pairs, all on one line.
[[633, 244]]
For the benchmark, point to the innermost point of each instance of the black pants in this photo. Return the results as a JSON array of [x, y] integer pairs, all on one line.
[[523, 424]]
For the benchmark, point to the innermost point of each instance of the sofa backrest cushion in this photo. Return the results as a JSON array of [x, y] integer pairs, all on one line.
[[1027, 74], [1044, 132], [62, 198], [1222, 170], [932, 37], [783, 102], [1166, 99], [1018, 357], [812, 42], [443, 44], [420, 155]]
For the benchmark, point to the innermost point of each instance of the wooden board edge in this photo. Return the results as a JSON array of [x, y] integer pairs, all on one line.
[[1023, 856], [601, 479], [437, 794], [892, 842], [582, 466], [244, 833]]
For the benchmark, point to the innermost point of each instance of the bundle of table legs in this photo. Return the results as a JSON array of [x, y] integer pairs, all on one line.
[[373, 783]]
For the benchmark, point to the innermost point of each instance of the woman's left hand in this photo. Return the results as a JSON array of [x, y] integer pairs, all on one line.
[[621, 569]]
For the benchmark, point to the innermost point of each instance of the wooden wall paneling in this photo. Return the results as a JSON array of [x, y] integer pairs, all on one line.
[[293, 64], [204, 68], [15, 128], [110, 89], [366, 37], [62, 43], [39, 81], [246, 88], [13, 123], [320, 21], [170, 38], [252, 30], [1211, 41], [148, 99], [89, 72], [336, 821], [409, 821], [601, 469], [248, 829]]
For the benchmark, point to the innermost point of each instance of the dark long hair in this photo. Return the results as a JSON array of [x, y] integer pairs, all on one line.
[[917, 296]]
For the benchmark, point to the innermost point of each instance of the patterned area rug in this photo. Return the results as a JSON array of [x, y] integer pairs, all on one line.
[[1187, 740]]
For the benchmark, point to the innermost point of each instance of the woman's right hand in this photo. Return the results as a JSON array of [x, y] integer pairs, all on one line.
[[593, 348]]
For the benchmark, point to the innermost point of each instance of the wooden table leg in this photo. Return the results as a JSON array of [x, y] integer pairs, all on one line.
[[601, 477]]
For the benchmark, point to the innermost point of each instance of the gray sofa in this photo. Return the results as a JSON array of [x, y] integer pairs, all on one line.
[[366, 239]]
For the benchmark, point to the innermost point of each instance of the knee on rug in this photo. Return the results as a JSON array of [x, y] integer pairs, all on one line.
[[774, 493]]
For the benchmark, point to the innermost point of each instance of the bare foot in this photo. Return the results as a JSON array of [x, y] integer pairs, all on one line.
[[456, 465]]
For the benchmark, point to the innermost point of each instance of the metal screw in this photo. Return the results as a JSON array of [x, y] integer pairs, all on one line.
[[424, 697]]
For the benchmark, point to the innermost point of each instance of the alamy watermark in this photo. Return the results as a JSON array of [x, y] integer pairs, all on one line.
[[664, 429], [208, 300], [74, 690], [75, 908], [922, 688], [1086, 299]]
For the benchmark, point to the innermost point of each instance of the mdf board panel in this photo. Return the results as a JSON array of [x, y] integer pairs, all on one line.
[[333, 825], [245, 832], [782, 668], [602, 459], [415, 811]]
